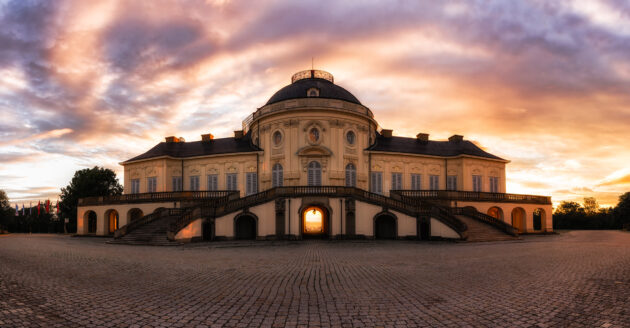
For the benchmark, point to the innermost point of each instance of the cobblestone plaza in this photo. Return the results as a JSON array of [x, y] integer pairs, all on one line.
[[574, 279]]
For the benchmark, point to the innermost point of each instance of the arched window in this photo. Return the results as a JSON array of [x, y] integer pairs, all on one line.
[[276, 175], [314, 174], [351, 175]]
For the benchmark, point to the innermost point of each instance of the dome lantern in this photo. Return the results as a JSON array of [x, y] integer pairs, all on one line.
[[312, 74]]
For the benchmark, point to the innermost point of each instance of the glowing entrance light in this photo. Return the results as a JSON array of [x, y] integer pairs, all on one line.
[[313, 220]]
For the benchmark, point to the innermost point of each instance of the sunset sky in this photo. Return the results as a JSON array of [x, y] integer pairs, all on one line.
[[545, 84]]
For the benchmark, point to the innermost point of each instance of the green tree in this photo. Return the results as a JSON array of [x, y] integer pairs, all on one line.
[[6, 212], [92, 182]]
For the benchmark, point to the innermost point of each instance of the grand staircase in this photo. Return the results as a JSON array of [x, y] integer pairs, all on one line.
[[481, 231], [152, 232], [160, 228]]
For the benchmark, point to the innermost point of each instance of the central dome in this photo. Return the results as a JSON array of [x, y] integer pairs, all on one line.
[[312, 83]]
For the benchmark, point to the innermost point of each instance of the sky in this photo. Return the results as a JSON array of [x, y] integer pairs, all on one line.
[[545, 84]]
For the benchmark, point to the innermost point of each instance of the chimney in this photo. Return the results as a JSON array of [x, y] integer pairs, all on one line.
[[424, 137], [387, 133], [172, 139], [238, 134], [207, 137], [456, 138]]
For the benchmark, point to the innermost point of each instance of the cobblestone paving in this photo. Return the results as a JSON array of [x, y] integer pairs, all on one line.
[[575, 279]]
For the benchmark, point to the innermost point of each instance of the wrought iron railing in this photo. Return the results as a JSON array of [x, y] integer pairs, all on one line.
[[154, 197], [472, 196]]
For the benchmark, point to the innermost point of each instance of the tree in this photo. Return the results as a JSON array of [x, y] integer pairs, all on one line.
[[590, 205], [92, 182], [6, 211], [622, 210]]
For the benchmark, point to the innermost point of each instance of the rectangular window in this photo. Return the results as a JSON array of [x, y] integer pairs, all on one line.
[[135, 186], [451, 182], [194, 182], [152, 184], [416, 182], [476, 182], [377, 182], [230, 181], [434, 182], [251, 185], [177, 183], [213, 182], [396, 181], [494, 184]]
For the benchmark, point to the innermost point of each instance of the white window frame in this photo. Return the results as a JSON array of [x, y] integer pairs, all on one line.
[[351, 175], [376, 182], [416, 181], [477, 183], [494, 184], [451, 182], [231, 181], [251, 183], [177, 183], [212, 181], [396, 181], [434, 182], [277, 175], [152, 184], [135, 186], [194, 182], [314, 171]]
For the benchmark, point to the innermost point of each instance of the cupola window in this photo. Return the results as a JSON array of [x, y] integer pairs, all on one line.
[[312, 92]]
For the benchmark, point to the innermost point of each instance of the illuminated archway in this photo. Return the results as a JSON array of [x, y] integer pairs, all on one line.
[[496, 212], [518, 219], [314, 221], [112, 220]]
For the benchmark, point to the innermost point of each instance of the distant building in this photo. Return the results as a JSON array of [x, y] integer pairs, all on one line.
[[313, 162]]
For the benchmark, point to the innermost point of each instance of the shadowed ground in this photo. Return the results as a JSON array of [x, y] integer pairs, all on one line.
[[575, 279]]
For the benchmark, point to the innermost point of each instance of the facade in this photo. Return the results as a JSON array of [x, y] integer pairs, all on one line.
[[313, 162]]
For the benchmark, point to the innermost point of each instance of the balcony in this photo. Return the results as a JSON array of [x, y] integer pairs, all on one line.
[[471, 196], [158, 197]]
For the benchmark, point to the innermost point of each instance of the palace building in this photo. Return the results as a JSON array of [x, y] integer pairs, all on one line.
[[313, 163]]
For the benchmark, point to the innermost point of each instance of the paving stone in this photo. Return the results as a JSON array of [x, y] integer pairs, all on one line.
[[575, 279]]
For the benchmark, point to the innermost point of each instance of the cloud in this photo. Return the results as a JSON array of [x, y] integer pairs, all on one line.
[[541, 84]]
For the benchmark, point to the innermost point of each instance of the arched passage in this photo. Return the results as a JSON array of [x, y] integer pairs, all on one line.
[[245, 226], [385, 226], [518, 219], [314, 222], [496, 212], [134, 214], [112, 218], [539, 219], [89, 220]]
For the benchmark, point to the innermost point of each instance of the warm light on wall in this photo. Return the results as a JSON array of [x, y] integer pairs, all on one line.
[[313, 220]]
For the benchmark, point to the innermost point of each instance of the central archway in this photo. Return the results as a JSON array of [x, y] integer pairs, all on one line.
[[314, 222], [385, 226]]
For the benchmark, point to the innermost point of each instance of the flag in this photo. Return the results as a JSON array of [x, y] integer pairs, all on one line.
[[47, 206], [38, 206], [57, 207], [17, 211], [23, 213], [30, 208]]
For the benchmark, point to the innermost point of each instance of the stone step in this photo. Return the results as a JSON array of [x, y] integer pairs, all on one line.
[[479, 231]]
